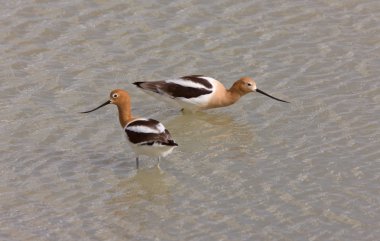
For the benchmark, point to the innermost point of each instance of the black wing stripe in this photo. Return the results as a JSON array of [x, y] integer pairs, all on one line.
[[177, 90], [163, 138], [199, 80]]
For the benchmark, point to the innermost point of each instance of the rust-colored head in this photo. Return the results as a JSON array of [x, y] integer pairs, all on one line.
[[246, 85], [121, 99], [118, 97]]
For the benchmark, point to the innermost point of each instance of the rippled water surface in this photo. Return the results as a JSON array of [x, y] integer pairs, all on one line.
[[258, 170]]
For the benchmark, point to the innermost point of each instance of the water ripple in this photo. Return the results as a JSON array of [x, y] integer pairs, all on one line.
[[257, 170]]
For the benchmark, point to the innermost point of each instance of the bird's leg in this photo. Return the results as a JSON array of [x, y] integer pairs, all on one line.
[[158, 162], [137, 162]]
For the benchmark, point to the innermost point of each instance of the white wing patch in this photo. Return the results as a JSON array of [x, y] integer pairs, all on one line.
[[187, 83], [202, 100], [158, 129], [209, 79], [143, 129]]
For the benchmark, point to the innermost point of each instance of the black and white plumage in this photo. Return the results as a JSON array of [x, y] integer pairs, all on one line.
[[190, 92], [149, 137], [145, 136], [198, 92]]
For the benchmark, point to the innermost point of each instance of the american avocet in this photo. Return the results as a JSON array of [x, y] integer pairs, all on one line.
[[198, 92], [145, 136]]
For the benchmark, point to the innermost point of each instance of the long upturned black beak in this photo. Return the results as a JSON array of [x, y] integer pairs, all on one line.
[[262, 92], [105, 103]]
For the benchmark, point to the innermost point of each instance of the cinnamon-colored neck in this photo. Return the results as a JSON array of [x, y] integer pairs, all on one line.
[[224, 97], [234, 93], [125, 114]]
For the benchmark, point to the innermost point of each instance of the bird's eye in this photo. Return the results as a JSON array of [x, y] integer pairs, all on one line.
[[115, 96], [249, 84]]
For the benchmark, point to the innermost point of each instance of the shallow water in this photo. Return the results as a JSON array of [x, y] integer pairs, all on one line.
[[258, 170]]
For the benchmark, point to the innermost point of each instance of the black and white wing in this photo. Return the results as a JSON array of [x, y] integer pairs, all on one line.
[[148, 132], [192, 86]]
